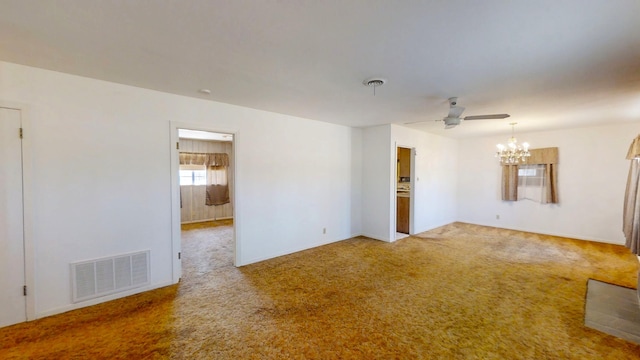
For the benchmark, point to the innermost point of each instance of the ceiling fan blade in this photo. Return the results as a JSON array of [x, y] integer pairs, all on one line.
[[487, 117], [421, 121]]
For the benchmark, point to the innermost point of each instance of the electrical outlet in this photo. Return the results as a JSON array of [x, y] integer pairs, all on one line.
[[497, 217], [324, 230]]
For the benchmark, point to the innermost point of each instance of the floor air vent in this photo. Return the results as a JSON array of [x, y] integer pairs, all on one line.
[[100, 277]]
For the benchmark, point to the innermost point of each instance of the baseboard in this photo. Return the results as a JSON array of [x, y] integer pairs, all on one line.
[[257, 260], [97, 301], [432, 227], [206, 220], [570, 236], [375, 237]]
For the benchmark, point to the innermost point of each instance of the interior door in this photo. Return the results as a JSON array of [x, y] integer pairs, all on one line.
[[12, 270]]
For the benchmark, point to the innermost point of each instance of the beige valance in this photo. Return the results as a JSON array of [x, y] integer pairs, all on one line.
[[542, 156], [634, 149], [207, 159]]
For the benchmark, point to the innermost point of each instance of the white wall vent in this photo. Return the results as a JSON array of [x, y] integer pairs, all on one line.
[[100, 277]]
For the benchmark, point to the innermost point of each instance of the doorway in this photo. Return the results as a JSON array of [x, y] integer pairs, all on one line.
[[206, 176], [403, 191], [203, 196], [13, 305]]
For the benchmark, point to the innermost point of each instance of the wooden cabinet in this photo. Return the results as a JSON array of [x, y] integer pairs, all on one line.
[[404, 161], [402, 204], [402, 215]]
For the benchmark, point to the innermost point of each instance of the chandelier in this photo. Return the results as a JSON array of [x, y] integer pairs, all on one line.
[[512, 153]]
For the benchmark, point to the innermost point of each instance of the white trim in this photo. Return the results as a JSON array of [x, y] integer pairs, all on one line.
[[375, 237], [99, 300], [435, 226], [288, 252], [412, 191], [568, 236], [175, 194], [27, 206], [393, 226], [176, 246]]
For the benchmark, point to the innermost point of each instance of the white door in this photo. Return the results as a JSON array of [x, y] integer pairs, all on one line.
[[12, 272]]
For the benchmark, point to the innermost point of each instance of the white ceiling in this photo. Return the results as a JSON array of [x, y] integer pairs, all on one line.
[[550, 64]]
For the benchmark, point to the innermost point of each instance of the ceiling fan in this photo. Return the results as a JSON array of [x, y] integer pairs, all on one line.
[[453, 119]]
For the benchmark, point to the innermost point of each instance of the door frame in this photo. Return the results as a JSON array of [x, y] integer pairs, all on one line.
[[176, 246], [412, 182], [27, 207]]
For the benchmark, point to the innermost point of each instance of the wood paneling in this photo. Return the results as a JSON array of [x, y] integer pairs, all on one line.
[[193, 197]]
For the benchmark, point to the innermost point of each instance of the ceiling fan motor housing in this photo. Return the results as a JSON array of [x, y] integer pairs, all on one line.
[[452, 121]]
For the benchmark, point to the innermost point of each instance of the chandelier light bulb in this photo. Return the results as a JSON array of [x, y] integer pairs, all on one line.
[[512, 154]]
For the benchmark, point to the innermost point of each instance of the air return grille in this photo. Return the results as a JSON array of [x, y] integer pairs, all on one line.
[[95, 278]]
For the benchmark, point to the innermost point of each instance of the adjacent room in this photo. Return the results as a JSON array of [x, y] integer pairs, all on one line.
[[206, 188], [321, 180]]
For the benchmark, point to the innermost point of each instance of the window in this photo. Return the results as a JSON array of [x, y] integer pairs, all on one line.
[[536, 179], [193, 175], [531, 182]]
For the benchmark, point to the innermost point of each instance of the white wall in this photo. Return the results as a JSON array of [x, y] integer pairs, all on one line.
[[592, 176], [293, 179], [101, 178], [102, 181], [356, 181], [377, 182], [434, 189], [435, 177]]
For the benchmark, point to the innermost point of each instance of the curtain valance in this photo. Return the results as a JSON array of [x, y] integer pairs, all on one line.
[[207, 159], [542, 156], [634, 149], [545, 156], [217, 191]]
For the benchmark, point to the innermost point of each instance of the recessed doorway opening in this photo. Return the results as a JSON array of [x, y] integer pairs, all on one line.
[[206, 210], [203, 171], [206, 176], [404, 191]]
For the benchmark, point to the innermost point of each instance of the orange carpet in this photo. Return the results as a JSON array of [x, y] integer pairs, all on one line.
[[457, 292]]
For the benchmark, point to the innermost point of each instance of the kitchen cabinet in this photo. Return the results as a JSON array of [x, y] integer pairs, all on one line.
[[404, 161], [402, 214]]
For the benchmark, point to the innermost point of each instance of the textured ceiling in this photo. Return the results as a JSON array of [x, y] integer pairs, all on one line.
[[550, 64]]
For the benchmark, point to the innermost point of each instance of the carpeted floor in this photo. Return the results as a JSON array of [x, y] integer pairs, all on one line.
[[457, 292]]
